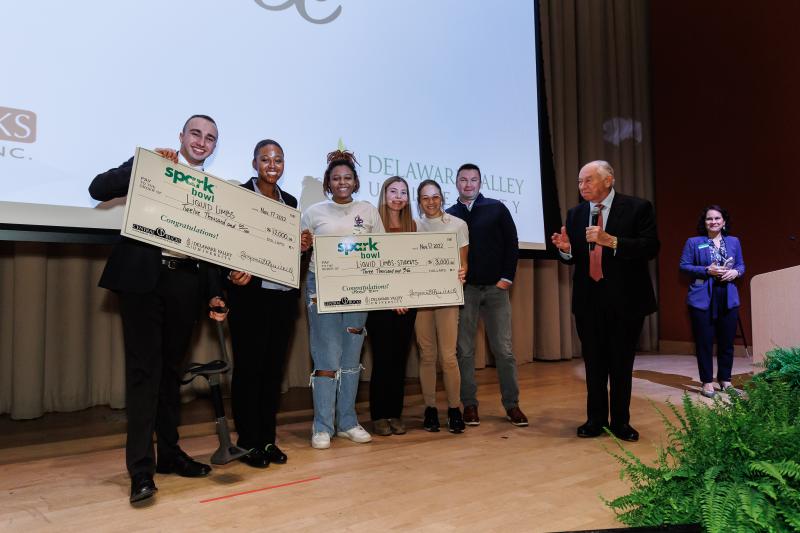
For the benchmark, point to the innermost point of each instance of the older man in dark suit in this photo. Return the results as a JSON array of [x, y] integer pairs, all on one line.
[[159, 296], [609, 238]]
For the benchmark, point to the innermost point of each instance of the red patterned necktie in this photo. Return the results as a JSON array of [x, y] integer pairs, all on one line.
[[596, 255]]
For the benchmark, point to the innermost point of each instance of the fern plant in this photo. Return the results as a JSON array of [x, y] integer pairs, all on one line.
[[730, 466], [782, 364]]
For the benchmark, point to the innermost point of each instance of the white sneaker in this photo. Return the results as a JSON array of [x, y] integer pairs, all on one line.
[[320, 440], [356, 434]]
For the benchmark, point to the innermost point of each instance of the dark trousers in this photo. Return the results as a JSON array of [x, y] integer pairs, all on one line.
[[706, 329], [608, 343], [157, 328], [390, 335], [261, 322]]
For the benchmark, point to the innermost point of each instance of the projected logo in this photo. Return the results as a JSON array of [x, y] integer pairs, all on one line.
[[301, 8], [17, 125]]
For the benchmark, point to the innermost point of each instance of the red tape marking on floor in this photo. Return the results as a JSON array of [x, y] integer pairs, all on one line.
[[260, 490]]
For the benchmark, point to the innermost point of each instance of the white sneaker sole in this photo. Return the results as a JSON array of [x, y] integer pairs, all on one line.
[[358, 440]]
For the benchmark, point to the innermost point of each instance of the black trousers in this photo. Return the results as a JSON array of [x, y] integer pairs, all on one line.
[[390, 335], [608, 344], [706, 329], [157, 328], [261, 322]]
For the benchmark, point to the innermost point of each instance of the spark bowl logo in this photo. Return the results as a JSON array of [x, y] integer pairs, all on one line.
[[367, 249], [301, 8], [200, 188]]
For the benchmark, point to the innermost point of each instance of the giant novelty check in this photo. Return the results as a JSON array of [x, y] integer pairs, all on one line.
[[187, 211], [386, 271]]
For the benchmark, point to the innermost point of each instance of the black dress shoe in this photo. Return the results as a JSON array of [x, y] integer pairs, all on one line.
[[625, 432], [591, 429], [257, 458], [183, 465], [275, 454], [142, 487]]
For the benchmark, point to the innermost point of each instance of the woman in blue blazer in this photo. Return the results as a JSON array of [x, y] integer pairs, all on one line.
[[713, 260]]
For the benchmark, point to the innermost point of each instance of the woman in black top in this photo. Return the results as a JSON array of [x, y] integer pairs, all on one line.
[[261, 320]]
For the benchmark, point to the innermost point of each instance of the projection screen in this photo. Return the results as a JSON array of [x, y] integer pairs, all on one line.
[[414, 87]]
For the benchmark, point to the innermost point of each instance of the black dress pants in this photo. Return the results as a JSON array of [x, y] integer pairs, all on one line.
[[706, 329], [261, 322], [608, 343], [390, 335], [157, 328]]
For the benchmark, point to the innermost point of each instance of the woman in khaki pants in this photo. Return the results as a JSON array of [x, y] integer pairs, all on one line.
[[437, 327]]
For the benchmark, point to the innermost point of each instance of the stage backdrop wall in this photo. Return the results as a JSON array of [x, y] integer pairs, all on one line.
[[726, 75], [60, 335]]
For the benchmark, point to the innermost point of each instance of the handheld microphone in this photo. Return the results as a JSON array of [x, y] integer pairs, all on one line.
[[595, 216]]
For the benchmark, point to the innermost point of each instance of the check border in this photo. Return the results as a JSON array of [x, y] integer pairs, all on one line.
[[265, 273], [323, 293]]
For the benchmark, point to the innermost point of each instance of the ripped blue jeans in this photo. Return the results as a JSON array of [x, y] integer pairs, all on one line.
[[336, 340]]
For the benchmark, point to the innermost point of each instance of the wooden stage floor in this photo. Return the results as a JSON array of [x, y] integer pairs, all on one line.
[[491, 478]]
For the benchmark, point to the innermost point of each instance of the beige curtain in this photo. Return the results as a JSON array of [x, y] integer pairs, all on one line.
[[61, 337], [61, 343], [597, 81]]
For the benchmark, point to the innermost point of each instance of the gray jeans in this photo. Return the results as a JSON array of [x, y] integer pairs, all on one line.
[[492, 304]]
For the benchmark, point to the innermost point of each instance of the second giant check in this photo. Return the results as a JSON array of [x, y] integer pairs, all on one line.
[[386, 271], [185, 210]]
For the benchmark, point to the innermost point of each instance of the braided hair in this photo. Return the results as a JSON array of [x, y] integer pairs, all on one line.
[[337, 158]]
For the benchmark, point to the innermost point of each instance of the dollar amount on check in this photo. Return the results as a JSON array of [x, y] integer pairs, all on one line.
[[181, 209], [386, 271]]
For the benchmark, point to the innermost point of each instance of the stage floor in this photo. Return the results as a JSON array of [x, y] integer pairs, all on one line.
[[494, 477]]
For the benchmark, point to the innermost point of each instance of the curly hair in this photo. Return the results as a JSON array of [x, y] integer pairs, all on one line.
[[335, 159]]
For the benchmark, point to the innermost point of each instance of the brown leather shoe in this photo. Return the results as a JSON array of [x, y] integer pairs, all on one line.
[[398, 428], [471, 415], [516, 417], [382, 427]]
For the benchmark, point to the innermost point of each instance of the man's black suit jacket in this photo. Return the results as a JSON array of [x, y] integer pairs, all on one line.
[[632, 221], [134, 266]]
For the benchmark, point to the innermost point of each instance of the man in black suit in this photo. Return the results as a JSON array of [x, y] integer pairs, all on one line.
[[609, 238], [160, 293]]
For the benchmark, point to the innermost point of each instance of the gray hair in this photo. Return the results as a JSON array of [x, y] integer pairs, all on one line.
[[604, 168]]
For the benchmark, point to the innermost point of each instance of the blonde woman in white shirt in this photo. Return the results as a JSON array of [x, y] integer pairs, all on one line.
[[437, 327], [336, 338]]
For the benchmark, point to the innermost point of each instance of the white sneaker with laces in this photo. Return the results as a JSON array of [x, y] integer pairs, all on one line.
[[320, 440], [356, 434]]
